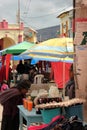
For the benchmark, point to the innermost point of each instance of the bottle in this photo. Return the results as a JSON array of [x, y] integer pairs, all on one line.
[[30, 104]]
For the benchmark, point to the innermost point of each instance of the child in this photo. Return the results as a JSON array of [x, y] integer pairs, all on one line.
[[4, 86]]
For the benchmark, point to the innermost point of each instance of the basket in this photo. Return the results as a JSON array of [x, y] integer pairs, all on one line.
[[74, 110], [48, 114]]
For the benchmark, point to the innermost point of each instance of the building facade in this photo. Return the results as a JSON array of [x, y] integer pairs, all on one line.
[[11, 34], [30, 34], [66, 19]]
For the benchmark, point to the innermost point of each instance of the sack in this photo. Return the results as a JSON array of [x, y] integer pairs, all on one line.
[[37, 127], [85, 127], [55, 121], [73, 124], [61, 123]]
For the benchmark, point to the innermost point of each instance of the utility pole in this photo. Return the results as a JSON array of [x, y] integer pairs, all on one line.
[[18, 19], [18, 13], [74, 18], [74, 65]]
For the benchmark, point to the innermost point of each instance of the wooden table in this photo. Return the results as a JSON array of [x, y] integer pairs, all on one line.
[[29, 116]]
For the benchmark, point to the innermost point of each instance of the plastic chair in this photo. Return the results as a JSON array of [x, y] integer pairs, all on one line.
[[38, 79]]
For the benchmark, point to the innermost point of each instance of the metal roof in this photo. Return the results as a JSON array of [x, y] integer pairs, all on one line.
[[65, 11]]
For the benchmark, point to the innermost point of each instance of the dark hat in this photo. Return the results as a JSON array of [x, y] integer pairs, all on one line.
[[24, 84]]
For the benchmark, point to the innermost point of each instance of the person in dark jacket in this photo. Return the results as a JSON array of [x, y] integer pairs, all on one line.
[[20, 67], [70, 86], [9, 99]]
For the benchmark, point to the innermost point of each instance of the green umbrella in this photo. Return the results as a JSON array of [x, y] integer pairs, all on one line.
[[18, 48]]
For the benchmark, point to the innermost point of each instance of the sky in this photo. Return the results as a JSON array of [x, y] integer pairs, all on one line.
[[37, 14]]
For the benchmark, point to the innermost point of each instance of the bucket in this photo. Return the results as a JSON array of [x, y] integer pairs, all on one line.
[[75, 110], [48, 114]]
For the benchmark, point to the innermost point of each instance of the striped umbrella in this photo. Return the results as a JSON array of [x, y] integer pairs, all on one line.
[[55, 49]]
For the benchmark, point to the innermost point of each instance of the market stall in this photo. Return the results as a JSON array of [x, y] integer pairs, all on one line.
[[12, 53], [52, 112], [54, 50]]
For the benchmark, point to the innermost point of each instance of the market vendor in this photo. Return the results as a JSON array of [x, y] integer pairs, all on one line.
[[70, 86]]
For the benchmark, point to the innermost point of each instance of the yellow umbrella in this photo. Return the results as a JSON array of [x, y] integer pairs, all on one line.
[[55, 48]]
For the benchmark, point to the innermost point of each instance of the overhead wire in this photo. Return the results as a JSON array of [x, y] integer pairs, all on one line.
[[24, 18], [29, 24], [48, 13], [27, 7]]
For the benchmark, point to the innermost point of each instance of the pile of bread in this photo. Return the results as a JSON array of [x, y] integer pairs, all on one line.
[[61, 104]]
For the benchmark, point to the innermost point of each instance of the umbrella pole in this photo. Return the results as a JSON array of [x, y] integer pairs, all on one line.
[[63, 79], [13, 72]]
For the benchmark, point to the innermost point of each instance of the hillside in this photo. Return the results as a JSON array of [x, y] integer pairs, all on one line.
[[47, 33]]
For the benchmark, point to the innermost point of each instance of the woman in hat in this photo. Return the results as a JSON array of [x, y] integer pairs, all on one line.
[[70, 86], [9, 99]]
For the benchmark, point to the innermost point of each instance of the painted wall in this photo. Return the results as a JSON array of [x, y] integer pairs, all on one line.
[[81, 51], [80, 60]]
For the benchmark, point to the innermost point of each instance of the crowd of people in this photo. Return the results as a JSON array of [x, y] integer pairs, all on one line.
[[26, 71], [23, 71], [11, 97]]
